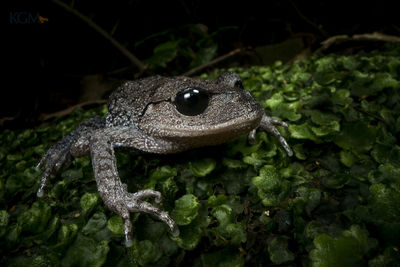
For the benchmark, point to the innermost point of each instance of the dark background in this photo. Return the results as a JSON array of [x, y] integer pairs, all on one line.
[[46, 65]]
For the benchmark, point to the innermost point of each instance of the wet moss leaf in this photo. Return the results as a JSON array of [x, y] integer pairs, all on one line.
[[356, 136], [345, 250], [162, 173], [96, 223], [146, 252], [335, 181], [66, 234], [279, 252], [372, 84], [225, 257], [88, 202], [186, 209], [35, 219], [308, 199], [116, 225], [4, 219], [202, 167], [302, 131], [271, 188], [347, 158], [164, 53], [235, 232], [86, 252], [189, 237]]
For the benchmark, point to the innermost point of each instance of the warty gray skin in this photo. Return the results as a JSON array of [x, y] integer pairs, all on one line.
[[143, 115]]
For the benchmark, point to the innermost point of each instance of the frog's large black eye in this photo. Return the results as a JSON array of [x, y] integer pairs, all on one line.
[[191, 102]]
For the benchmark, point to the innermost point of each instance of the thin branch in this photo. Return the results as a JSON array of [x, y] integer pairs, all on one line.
[[376, 36], [68, 110], [5, 119], [367, 37], [114, 29], [213, 62], [318, 27], [132, 58]]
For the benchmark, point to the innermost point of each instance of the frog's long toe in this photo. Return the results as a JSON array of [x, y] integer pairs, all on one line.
[[279, 123], [143, 194], [127, 229], [251, 138], [55, 157], [268, 124], [135, 204]]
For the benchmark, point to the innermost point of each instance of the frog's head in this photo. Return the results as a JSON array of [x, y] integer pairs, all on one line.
[[202, 111]]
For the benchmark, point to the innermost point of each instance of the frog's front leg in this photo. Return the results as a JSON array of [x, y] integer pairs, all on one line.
[[268, 124], [111, 189]]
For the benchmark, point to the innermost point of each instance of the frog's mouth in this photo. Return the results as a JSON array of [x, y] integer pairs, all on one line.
[[215, 134]]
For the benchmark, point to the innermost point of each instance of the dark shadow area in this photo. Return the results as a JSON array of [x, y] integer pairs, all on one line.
[[60, 61]]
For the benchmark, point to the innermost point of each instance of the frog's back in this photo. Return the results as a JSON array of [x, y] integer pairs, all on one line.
[[127, 102]]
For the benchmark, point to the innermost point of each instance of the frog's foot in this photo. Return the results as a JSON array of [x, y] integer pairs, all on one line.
[[54, 158], [268, 124], [134, 203], [251, 137]]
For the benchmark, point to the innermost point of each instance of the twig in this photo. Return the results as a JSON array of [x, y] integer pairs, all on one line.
[[376, 36], [132, 58], [319, 28], [212, 62], [68, 110], [5, 119], [372, 37]]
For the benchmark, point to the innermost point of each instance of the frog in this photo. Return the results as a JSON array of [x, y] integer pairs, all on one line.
[[159, 115]]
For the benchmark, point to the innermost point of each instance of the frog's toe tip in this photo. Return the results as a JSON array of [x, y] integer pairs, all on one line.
[[40, 193], [175, 232], [128, 243]]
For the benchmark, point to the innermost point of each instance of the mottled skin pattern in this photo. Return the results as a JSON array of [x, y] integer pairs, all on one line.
[[142, 115]]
